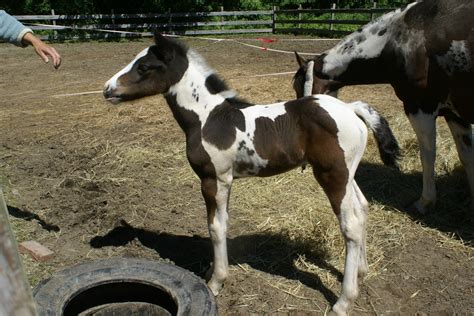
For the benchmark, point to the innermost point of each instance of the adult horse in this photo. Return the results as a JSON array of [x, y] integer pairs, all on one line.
[[229, 138], [425, 51]]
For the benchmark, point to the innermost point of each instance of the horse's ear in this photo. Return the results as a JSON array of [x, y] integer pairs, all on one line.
[[159, 38], [165, 46], [300, 59]]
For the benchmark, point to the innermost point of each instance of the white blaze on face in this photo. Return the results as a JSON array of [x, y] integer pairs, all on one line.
[[112, 83], [308, 83]]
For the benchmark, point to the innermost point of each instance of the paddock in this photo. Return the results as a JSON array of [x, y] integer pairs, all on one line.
[[90, 180]]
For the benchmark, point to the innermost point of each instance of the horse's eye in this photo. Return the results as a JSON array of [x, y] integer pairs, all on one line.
[[142, 69]]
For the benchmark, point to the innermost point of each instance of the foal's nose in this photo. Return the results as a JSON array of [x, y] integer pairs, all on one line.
[[107, 93]]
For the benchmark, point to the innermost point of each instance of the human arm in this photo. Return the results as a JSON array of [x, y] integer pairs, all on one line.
[[12, 31], [42, 49]]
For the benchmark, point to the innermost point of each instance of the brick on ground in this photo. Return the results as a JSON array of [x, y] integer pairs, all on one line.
[[35, 250]]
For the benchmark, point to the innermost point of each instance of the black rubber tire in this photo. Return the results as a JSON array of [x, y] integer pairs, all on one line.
[[188, 293]]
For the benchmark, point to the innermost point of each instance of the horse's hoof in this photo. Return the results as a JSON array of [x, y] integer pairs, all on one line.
[[420, 206], [214, 286], [333, 313]]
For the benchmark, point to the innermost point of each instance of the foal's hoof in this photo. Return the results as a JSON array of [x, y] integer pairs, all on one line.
[[333, 313], [215, 286]]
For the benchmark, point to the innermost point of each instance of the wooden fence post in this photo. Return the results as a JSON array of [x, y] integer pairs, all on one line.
[[169, 21], [333, 7], [300, 16], [55, 33], [372, 13], [274, 8], [15, 293], [222, 18], [113, 16]]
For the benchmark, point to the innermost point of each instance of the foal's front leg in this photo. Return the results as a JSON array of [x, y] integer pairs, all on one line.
[[216, 195]]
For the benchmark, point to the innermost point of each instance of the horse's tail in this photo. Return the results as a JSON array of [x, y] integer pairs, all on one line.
[[386, 142]]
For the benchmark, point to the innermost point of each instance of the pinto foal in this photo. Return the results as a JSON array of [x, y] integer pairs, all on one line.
[[228, 138]]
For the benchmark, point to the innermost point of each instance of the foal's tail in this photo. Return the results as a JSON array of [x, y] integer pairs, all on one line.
[[388, 145]]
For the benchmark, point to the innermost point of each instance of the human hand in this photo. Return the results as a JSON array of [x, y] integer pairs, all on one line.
[[43, 50]]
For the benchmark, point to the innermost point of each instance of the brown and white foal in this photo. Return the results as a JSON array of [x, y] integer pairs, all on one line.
[[227, 138]]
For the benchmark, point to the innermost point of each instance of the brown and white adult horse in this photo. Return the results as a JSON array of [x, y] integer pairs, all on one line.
[[227, 138], [425, 51]]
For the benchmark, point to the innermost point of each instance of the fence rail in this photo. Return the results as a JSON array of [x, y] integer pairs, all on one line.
[[327, 22]]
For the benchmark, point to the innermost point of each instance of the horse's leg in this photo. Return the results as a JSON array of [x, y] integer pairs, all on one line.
[[425, 130], [363, 213], [216, 195], [462, 134], [343, 199]]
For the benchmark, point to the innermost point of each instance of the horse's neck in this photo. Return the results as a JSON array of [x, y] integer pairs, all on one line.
[[361, 58], [190, 99]]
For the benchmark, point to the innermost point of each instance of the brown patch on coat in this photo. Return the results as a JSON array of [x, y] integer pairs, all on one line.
[[221, 124], [307, 133]]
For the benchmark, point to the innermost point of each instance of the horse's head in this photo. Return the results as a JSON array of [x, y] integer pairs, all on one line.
[[153, 71], [312, 70]]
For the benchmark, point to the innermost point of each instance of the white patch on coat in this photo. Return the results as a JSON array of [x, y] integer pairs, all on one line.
[[456, 59], [308, 84], [193, 83], [336, 61], [237, 154], [349, 125], [112, 83]]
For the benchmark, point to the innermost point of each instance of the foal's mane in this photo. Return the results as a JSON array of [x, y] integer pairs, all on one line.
[[214, 83]]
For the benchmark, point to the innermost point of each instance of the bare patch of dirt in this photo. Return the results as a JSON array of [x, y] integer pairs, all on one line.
[[90, 180]]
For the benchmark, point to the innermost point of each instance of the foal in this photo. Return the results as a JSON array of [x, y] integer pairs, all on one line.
[[228, 138]]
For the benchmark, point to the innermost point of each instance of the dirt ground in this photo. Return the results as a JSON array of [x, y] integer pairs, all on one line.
[[90, 180]]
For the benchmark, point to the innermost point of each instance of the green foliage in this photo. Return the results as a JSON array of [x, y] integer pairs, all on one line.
[[157, 6]]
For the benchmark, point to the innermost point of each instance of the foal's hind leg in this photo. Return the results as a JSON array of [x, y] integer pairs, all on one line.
[[216, 195], [363, 209], [462, 134], [338, 186]]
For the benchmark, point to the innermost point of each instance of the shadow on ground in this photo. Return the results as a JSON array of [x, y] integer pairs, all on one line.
[[30, 216], [269, 253], [391, 187]]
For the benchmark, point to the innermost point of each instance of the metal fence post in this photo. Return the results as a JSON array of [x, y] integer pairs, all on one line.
[[15, 293]]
